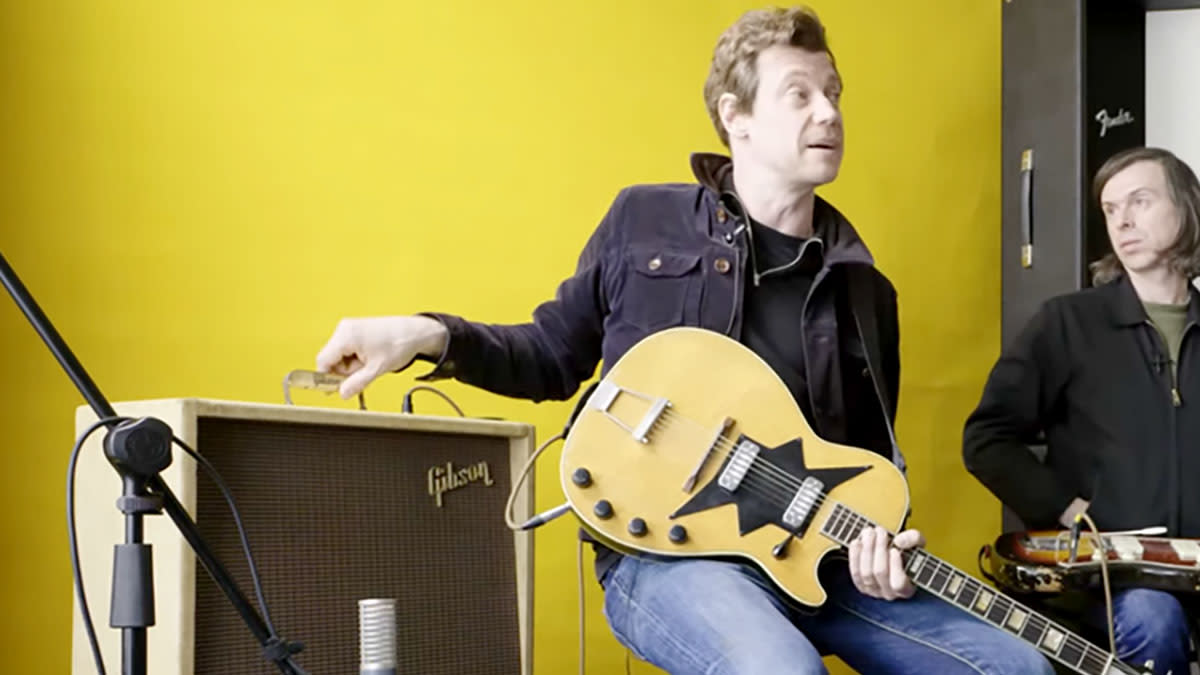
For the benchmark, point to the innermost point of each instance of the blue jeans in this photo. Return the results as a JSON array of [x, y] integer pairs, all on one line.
[[1147, 624], [722, 618]]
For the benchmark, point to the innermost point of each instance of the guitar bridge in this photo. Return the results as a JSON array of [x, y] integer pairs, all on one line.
[[606, 394], [690, 481]]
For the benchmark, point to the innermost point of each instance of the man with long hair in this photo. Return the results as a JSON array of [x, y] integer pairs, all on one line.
[[1110, 375]]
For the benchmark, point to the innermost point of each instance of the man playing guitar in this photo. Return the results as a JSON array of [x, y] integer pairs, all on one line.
[[748, 251]]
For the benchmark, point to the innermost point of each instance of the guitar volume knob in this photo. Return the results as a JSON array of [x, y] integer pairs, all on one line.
[[603, 509], [677, 534], [581, 477], [637, 527]]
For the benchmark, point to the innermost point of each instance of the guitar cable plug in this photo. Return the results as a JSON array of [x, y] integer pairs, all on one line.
[[1074, 542]]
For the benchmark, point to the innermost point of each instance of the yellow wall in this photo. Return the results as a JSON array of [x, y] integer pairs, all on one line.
[[196, 192]]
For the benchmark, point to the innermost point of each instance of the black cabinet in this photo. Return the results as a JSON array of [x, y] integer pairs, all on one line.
[[1073, 95]]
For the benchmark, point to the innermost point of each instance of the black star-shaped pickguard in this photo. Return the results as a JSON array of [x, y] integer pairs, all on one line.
[[769, 486]]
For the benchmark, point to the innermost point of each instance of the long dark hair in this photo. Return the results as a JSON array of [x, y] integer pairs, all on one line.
[[1183, 189]]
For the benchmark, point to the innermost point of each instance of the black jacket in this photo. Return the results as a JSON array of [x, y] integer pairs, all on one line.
[[1090, 374], [675, 255]]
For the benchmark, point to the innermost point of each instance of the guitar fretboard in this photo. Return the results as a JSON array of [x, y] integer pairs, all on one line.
[[955, 586]]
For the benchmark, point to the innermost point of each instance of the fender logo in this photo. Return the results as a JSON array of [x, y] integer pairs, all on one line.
[[1123, 117], [447, 478]]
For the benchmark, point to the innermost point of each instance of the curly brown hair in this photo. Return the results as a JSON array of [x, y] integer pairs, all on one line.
[[734, 67]]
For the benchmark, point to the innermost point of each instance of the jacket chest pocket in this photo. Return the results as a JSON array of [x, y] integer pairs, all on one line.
[[661, 288], [854, 360]]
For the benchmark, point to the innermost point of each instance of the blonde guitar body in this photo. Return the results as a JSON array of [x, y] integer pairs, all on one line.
[[684, 399], [691, 446]]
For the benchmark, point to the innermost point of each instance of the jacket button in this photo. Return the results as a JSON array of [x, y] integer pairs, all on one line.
[[721, 215], [655, 263], [721, 265]]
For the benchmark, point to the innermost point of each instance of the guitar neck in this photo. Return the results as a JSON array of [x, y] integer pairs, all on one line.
[[946, 581]]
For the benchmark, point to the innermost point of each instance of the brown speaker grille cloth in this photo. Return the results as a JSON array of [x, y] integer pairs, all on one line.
[[336, 514]]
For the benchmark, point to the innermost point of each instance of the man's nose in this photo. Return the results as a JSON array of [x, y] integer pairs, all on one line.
[[825, 111], [1125, 217]]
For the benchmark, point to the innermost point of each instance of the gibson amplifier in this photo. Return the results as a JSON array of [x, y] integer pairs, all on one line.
[[338, 506]]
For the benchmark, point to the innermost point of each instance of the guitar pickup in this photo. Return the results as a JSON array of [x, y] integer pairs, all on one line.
[[800, 510], [735, 471], [1186, 549], [1126, 548]]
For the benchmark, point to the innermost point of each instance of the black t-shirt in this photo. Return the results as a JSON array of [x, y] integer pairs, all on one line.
[[778, 278], [779, 275]]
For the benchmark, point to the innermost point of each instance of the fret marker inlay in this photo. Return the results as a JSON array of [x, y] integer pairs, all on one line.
[[953, 586], [1017, 620], [984, 601], [1053, 639]]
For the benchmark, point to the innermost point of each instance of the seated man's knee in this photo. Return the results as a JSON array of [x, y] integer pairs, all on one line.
[[1029, 660], [1009, 655], [1143, 614]]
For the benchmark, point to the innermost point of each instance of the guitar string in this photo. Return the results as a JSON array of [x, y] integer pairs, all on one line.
[[782, 485], [723, 442], [785, 482], [1092, 656]]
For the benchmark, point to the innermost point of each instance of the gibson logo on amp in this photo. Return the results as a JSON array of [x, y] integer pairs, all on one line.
[[448, 477]]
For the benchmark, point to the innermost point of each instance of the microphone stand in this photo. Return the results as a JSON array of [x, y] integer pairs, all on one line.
[[139, 450]]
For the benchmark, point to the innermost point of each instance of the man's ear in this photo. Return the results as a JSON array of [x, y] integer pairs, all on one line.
[[732, 118]]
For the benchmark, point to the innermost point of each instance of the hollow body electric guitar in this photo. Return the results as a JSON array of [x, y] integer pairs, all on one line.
[[691, 446], [1041, 562]]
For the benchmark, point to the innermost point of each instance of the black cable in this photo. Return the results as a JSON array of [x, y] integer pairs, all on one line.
[[237, 519], [75, 570], [74, 545], [406, 403]]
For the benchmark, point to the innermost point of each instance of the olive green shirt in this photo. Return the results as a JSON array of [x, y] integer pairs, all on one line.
[[1170, 320]]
